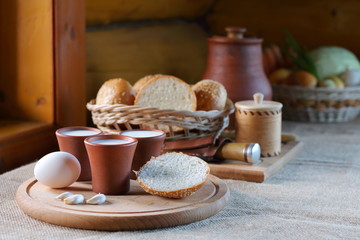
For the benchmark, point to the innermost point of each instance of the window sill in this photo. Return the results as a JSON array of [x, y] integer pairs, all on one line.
[[22, 142]]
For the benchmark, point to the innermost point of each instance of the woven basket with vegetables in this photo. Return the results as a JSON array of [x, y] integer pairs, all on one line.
[[322, 85]]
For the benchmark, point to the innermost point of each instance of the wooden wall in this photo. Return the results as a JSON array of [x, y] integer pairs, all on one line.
[[103, 12], [134, 38], [313, 23], [26, 60], [142, 38], [42, 61], [134, 51]]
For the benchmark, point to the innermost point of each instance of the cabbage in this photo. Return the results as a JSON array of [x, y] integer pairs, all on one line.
[[332, 61]]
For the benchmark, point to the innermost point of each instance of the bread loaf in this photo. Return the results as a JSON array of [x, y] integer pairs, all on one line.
[[116, 91], [173, 175], [210, 95], [142, 81], [166, 92]]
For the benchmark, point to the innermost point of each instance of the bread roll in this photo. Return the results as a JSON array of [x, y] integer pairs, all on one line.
[[142, 81], [210, 95], [116, 91], [173, 175]]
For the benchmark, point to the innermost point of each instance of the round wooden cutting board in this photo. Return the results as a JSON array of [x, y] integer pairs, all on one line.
[[133, 211]]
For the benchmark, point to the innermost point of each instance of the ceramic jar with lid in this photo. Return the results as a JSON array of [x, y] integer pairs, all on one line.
[[259, 121]]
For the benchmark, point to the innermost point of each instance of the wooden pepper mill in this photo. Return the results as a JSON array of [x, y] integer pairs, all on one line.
[[259, 121]]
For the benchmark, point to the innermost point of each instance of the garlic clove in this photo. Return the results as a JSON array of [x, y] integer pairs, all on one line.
[[97, 199], [64, 195], [74, 199]]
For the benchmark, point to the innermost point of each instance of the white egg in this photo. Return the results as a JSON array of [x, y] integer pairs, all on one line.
[[57, 169]]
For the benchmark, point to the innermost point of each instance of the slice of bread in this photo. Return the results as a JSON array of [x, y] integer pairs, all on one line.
[[166, 92], [173, 175], [210, 95], [115, 91], [142, 81]]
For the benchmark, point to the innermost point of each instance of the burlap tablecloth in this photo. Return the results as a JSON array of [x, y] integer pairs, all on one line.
[[315, 196]]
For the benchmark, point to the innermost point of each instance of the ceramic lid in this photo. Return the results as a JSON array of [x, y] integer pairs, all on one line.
[[258, 104], [235, 35]]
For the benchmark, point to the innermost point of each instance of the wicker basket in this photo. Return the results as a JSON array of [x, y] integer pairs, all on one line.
[[318, 104], [112, 119]]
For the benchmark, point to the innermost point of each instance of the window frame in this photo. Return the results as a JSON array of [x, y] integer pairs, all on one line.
[[23, 139]]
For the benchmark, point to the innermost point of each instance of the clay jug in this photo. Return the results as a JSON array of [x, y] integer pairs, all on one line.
[[236, 62]]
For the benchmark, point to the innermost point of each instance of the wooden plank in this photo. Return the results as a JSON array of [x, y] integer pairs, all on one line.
[[133, 211], [113, 11], [257, 172], [69, 47], [26, 60]]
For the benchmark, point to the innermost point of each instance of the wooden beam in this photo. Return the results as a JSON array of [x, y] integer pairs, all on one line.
[[69, 49]]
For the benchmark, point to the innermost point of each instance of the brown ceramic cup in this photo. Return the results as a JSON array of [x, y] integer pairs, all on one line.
[[71, 140], [110, 158], [150, 144]]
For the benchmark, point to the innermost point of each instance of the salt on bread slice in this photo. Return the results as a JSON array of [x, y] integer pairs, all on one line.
[[173, 175], [210, 95], [166, 92]]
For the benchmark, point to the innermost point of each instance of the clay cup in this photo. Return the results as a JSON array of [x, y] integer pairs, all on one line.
[[71, 140], [110, 158], [150, 144]]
